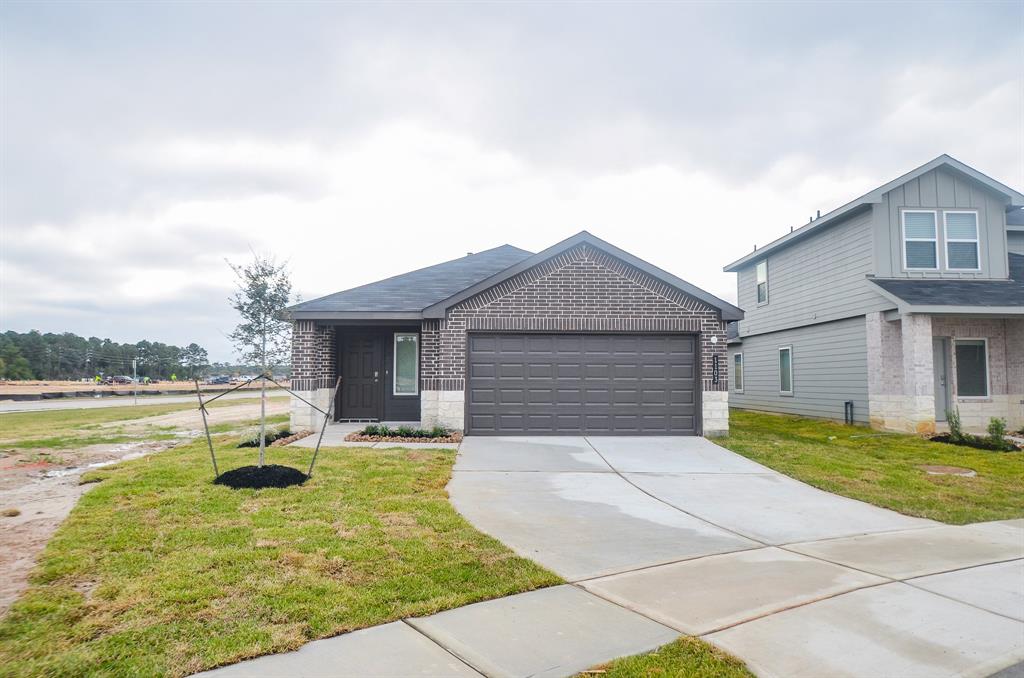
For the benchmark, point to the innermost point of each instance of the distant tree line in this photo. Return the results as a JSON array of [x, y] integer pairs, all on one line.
[[34, 355]]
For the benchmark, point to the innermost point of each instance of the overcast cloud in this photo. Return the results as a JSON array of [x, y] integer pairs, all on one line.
[[143, 144]]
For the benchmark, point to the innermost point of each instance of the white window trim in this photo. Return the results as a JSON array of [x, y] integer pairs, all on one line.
[[789, 348], [904, 239], [738, 389], [988, 372], [976, 240], [394, 365], [757, 283]]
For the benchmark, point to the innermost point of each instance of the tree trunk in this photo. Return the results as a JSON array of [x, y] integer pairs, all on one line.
[[263, 419], [263, 399]]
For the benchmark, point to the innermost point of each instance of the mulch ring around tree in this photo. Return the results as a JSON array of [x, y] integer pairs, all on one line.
[[260, 477], [360, 438]]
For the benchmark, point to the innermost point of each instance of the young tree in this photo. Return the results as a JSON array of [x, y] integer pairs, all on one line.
[[263, 338]]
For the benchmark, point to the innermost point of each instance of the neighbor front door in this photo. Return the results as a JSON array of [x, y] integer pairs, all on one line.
[[361, 379], [939, 363]]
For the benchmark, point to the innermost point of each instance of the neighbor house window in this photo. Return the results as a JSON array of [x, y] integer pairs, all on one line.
[[737, 372], [961, 241], [786, 370], [407, 363], [762, 282], [920, 241], [971, 368]]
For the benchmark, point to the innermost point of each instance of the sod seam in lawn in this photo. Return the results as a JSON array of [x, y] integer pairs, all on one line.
[[158, 571], [883, 468]]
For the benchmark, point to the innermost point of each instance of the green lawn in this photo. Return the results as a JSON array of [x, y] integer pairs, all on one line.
[[883, 468], [158, 571], [62, 429], [686, 657]]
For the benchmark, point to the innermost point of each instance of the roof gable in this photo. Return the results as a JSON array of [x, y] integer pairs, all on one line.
[[1016, 199], [727, 310]]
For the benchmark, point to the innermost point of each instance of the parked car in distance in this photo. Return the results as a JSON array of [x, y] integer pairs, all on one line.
[[220, 379], [119, 379]]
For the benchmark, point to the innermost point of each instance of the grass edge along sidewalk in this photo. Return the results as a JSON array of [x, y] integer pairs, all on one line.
[[884, 469], [159, 571]]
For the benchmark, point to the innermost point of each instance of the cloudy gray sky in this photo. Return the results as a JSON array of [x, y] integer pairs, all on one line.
[[142, 144]]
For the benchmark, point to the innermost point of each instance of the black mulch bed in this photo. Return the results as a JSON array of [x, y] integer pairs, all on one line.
[[256, 478], [976, 442]]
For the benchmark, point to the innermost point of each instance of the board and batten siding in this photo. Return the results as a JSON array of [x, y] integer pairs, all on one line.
[[816, 280], [1015, 242], [829, 368], [940, 188]]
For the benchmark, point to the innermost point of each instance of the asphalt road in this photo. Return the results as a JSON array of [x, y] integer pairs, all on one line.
[[116, 401]]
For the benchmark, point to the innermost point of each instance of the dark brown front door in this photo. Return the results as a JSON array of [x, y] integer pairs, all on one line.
[[361, 378]]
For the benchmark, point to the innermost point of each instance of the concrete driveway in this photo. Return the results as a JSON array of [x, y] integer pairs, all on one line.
[[793, 580]]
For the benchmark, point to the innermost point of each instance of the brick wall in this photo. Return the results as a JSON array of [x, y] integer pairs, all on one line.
[[1000, 352], [581, 290], [314, 356]]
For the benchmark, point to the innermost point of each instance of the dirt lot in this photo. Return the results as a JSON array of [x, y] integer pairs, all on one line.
[[42, 485], [34, 387]]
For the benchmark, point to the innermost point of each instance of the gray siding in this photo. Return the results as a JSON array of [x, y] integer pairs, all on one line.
[[819, 279], [940, 189], [1015, 242], [829, 367]]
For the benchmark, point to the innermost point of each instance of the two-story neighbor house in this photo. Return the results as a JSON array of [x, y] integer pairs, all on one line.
[[892, 309]]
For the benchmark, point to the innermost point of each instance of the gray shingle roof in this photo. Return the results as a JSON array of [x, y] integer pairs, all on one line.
[[414, 291], [978, 293]]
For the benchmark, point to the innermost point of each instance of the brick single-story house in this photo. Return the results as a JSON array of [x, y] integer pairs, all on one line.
[[582, 338]]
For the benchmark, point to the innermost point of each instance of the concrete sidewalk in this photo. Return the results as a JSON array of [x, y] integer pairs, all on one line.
[[662, 536]]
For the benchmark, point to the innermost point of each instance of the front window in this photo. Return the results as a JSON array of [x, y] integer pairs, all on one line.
[[737, 372], [762, 282], [971, 368], [961, 241], [407, 363], [786, 370], [920, 241]]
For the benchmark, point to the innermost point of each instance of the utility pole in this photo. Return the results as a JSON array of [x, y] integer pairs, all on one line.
[[135, 380]]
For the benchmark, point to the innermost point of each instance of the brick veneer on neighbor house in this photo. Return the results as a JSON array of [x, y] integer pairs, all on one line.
[[901, 371], [581, 290]]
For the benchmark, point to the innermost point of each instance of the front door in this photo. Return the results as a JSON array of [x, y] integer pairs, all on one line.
[[361, 377], [941, 379]]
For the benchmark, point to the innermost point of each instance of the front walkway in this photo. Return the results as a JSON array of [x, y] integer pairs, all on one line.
[[662, 536]]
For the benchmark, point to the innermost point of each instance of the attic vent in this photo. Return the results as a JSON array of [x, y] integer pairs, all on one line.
[[469, 254]]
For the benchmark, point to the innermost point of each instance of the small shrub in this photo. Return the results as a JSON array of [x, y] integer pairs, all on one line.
[[438, 432], [371, 430], [405, 431], [420, 433], [956, 432], [384, 431], [997, 434], [253, 439]]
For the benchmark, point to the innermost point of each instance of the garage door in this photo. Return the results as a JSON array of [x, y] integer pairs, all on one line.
[[573, 384]]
